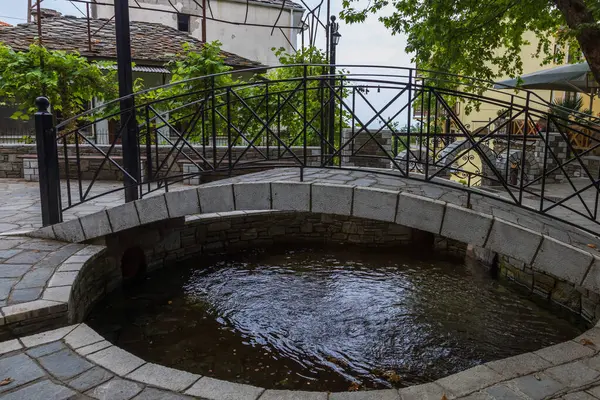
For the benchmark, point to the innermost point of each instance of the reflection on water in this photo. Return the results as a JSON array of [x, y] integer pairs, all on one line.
[[321, 319]]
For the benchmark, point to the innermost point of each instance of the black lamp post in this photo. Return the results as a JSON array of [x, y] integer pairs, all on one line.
[[334, 38], [131, 160]]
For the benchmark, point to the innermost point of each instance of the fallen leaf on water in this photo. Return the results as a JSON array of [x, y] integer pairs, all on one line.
[[444, 397], [392, 376], [354, 387], [586, 342], [591, 245], [536, 376], [6, 381], [169, 302]]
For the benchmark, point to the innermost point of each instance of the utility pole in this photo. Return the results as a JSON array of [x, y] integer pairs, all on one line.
[[29, 11]]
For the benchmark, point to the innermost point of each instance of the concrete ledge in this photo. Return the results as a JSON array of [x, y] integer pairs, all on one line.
[[152, 209], [293, 196], [216, 198], [513, 240], [467, 226], [592, 278], [182, 203], [331, 199], [562, 260], [252, 195], [377, 204], [420, 212], [70, 231], [123, 217], [96, 225]]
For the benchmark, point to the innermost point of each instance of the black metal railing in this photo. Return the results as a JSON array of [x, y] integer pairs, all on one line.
[[401, 121]]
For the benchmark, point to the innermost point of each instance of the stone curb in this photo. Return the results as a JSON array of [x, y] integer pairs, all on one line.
[[551, 364]]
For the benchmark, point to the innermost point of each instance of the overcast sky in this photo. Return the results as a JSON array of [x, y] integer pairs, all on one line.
[[369, 43]]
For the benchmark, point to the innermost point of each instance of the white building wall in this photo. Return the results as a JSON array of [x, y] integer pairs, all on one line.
[[251, 42]]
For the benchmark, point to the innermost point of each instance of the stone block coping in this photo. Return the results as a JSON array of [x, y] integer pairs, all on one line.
[[78, 361], [519, 240]]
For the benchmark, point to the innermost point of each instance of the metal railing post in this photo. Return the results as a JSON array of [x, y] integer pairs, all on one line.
[[47, 155]]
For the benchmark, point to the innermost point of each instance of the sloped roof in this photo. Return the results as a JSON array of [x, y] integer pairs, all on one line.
[[288, 3], [150, 42], [2, 23]]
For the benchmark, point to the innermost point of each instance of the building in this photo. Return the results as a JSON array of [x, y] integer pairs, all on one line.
[[225, 22], [152, 46]]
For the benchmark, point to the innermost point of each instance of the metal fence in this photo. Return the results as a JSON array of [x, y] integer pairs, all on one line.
[[402, 121]]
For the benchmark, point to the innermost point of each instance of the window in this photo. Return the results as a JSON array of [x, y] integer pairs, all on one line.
[[183, 22]]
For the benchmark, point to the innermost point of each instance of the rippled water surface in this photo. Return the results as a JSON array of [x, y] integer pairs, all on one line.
[[321, 319]]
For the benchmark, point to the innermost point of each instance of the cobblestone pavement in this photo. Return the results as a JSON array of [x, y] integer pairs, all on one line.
[[75, 362], [19, 199]]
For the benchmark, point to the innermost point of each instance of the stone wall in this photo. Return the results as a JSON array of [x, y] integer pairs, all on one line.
[[12, 155], [168, 242], [365, 151]]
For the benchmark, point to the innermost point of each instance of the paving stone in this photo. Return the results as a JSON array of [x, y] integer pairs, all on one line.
[[252, 196], [216, 198], [387, 394], [513, 240], [60, 293], [32, 309], [595, 391], [45, 349], [57, 257], [92, 348], [564, 352], [291, 196], [471, 380], [10, 345], [62, 278], [574, 374], [152, 209], [116, 389], [46, 337], [502, 392], [90, 379], [331, 199], [65, 364], [24, 295], [45, 245], [465, 225], [215, 389], [536, 387], [70, 267], [374, 204], [6, 285], [43, 390], [522, 364], [592, 279], [20, 368], [182, 202], [9, 253], [155, 394], [427, 391], [420, 212], [123, 217], [578, 396], [83, 335], [117, 360], [562, 260], [35, 278], [29, 257], [13, 270], [167, 378], [70, 231], [292, 395]]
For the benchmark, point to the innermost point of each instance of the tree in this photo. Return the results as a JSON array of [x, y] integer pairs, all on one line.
[[68, 80], [469, 37]]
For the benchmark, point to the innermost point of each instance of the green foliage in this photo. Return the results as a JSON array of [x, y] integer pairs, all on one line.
[[68, 80], [570, 107], [481, 39]]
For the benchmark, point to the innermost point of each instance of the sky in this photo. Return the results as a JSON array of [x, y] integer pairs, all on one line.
[[368, 43]]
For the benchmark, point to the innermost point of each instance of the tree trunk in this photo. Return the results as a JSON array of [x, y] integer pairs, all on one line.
[[580, 19]]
